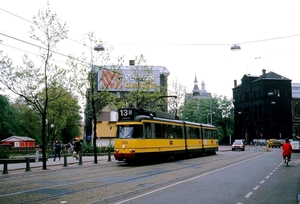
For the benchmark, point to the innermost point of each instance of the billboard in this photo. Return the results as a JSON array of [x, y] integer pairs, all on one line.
[[129, 79]]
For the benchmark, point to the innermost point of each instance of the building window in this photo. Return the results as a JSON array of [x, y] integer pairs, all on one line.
[[297, 110]]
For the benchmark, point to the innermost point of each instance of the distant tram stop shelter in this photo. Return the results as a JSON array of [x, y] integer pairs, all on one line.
[[19, 142]]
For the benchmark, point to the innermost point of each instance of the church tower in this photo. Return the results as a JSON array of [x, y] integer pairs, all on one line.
[[196, 90]]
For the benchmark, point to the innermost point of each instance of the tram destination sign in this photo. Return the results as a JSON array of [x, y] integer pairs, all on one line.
[[126, 114]]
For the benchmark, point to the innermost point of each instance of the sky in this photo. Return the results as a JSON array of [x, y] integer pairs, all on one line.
[[190, 38]]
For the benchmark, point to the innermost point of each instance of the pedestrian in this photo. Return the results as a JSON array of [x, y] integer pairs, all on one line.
[[77, 148], [57, 149], [71, 148]]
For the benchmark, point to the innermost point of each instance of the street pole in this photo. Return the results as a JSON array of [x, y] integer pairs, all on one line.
[[94, 116], [211, 122]]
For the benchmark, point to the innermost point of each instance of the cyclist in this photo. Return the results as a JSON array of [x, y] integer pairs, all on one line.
[[287, 150]]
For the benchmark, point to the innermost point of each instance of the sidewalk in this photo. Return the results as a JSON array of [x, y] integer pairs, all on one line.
[[50, 162]]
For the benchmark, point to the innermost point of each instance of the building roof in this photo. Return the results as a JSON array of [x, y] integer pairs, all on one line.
[[17, 138], [271, 75]]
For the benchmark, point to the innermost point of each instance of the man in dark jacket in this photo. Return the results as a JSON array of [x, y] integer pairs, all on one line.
[[77, 148], [57, 149]]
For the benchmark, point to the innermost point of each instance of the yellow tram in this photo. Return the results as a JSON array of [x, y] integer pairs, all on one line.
[[145, 134]]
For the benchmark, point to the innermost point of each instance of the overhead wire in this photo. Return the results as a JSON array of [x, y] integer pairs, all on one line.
[[142, 44], [33, 23], [276, 38], [84, 45]]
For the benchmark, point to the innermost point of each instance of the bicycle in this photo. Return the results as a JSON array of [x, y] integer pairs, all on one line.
[[287, 160]]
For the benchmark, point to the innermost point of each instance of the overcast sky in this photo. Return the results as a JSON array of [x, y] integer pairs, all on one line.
[[189, 38]]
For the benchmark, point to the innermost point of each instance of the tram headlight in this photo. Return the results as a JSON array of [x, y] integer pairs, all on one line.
[[116, 150], [123, 146], [132, 150]]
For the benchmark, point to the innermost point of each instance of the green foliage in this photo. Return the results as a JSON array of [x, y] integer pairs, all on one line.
[[63, 113], [219, 109], [86, 148], [32, 82], [29, 120], [9, 119], [143, 96], [4, 153]]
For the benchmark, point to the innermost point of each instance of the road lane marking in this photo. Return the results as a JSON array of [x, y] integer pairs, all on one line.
[[180, 182], [262, 182], [248, 195], [256, 187], [267, 177]]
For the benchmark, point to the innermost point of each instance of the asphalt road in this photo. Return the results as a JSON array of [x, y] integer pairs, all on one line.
[[251, 176]]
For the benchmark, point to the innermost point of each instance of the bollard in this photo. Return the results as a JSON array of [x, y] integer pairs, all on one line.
[[80, 159], [27, 164], [65, 161], [109, 158], [5, 167], [37, 155]]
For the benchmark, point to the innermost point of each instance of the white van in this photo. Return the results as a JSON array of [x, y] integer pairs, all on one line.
[[295, 145]]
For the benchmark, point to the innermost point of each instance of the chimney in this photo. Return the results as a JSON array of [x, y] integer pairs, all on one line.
[[131, 62], [263, 72], [235, 83]]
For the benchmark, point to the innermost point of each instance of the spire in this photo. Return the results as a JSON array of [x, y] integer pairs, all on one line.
[[196, 91], [195, 81]]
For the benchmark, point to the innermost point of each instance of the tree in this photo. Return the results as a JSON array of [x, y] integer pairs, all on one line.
[[86, 80], [30, 122], [9, 123], [63, 113], [33, 82], [217, 110], [223, 117], [175, 99], [145, 93]]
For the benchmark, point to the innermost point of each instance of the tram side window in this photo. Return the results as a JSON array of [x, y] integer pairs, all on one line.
[[215, 136], [158, 131], [205, 134], [148, 132], [138, 131], [208, 134], [193, 133], [167, 131], [178, 130]]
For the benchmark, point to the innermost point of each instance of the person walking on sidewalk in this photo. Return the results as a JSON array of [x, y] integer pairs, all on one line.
[[57, 149], [77, 148]]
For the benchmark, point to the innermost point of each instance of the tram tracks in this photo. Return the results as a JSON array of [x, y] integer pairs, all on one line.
[[102, 183]]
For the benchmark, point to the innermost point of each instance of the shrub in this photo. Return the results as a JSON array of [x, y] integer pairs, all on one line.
[[4, 153], [86, 148]]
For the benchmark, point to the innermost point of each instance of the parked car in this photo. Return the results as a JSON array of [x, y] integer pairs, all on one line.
[[295, 145], [238, 145]]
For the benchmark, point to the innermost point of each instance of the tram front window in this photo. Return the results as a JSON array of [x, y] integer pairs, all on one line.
[[130, 131]]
